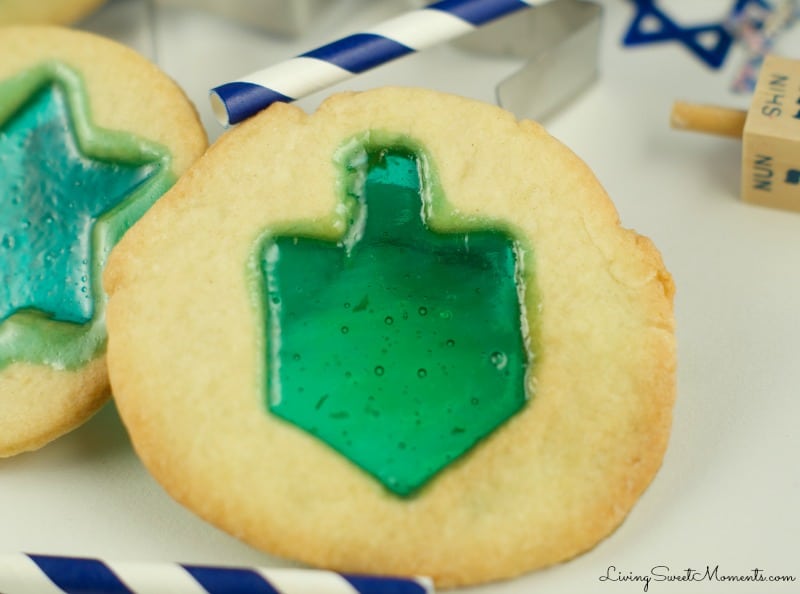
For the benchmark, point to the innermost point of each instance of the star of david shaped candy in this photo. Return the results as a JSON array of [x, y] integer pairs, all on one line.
[[68, 190], [398, 346], [692, 37]]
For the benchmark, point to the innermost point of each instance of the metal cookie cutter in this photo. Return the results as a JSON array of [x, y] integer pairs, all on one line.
[[559, 42], [284, 17]]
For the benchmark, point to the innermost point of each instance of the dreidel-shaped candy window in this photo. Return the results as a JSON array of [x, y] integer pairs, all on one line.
[[770, 131], [398, 346]]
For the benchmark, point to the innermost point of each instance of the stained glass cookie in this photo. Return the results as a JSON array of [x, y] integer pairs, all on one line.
[[91, 134], [56, 12], [403, 335]]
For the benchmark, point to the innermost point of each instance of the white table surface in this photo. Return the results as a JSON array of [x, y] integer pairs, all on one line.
[[728, 494]]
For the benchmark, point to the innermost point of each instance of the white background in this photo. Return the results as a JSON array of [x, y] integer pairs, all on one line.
[[729, 490]]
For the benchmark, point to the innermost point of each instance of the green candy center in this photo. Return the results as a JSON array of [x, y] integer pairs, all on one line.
[[68, 192], [50, 196], [399, 346]]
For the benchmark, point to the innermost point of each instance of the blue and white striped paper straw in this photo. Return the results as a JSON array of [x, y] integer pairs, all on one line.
[[312, 71], [22, 573]]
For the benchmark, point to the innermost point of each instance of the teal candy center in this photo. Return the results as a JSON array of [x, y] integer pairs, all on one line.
[[50, 196], [398, 346]]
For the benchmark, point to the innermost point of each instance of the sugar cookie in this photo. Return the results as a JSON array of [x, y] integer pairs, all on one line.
[[56, 12], [403, 335], [91, 134]]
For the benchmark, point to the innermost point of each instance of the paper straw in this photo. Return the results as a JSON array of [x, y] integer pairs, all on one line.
[[22, 573], [313, 71]]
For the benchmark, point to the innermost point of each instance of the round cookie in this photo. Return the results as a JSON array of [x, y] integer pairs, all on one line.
[[274, 322], [91, 134], [56, 12]]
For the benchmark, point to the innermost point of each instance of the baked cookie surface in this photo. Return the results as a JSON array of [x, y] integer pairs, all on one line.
[[276, 320], [91, 134], [56, 12]]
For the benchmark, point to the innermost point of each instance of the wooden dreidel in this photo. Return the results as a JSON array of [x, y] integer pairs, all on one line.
[[770, 131]]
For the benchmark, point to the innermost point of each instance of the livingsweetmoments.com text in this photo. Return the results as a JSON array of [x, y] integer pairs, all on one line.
[[663, 573]]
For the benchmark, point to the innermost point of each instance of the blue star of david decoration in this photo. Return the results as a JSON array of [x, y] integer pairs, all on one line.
[[690, 36], [68, 190]]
